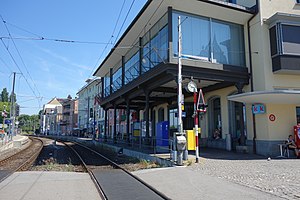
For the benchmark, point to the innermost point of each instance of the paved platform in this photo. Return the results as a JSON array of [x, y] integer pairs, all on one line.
[[48, 186], [183, 183]]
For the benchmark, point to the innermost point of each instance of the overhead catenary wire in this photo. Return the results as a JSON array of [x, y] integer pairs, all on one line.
[[54, 40], [40, 37], [109, 41], [19, 69], [20, 58], [124, 21], [147, 23]]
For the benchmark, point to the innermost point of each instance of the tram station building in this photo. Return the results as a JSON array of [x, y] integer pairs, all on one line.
[[243, 54]]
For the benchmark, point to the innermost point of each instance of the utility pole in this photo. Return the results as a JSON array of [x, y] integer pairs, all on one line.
[[180, 98], [180, 127], [12, 111]]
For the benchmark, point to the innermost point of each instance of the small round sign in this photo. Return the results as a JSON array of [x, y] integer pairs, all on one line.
[[272, 117]]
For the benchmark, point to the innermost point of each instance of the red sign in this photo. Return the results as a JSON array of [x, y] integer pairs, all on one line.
[[4, 114], [272, 118]]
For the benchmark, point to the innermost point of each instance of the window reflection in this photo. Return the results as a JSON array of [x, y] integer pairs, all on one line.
[[210, 39], [132, 68], [117, 80], [106, 85]]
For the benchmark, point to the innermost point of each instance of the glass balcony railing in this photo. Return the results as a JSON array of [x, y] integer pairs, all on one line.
[[249, 5]]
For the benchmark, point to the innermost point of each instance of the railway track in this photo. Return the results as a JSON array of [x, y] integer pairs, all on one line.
[[112, 181], [22, 160]]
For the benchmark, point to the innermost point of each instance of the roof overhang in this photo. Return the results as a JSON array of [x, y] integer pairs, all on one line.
[[272, 97], [283, 18]]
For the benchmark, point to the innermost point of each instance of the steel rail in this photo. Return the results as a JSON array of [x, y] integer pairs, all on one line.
[[31, 160], [123, 169], [11, 156], [27, 163], [90, 172]]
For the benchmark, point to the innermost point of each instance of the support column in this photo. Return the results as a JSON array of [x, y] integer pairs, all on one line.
[[152, 118], [128, 120], [123, 71], [115, 124], [239, 87], [102, 89], [105, 125], [141, 56], [110, 80], [147, 94]]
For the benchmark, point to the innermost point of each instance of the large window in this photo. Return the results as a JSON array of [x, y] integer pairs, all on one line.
[[117, 80], [284, 39], [155, 45], [290, 39], [106, 86], [209, 39], [132, 68], [228, 43]]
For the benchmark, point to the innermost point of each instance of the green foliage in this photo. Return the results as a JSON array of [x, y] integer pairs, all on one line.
[[29, 123], [4, 95]]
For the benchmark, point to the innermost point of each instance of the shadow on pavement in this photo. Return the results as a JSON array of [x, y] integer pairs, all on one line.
[[211, 153]]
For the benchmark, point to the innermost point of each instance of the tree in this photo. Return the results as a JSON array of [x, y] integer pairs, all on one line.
[[29, 123], [4, 95]]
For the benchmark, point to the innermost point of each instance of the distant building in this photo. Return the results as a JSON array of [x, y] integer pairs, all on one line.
[[69, 122], [90, 114], [60, 116], [52, 116]]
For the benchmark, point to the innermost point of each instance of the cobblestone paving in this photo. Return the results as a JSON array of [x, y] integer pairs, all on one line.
[[278, 177]]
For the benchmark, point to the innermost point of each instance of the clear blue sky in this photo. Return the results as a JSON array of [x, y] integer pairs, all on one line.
[[56, 69]]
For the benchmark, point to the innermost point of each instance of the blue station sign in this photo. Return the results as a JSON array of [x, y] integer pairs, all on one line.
[[258, 109], [7, 121]]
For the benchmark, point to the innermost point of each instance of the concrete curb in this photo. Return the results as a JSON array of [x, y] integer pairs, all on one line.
[[127, 152]]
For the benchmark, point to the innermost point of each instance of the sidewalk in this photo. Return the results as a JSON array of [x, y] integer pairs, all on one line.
[[183, 183], [48, 186], [222, 174]]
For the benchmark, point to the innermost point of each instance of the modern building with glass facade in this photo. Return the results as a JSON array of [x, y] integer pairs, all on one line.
[[240, 53]]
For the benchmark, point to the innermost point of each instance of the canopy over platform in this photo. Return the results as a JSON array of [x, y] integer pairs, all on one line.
[[268, 96]]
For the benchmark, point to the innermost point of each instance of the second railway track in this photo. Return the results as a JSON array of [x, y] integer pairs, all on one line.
[[113, 181], [22, 160]]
